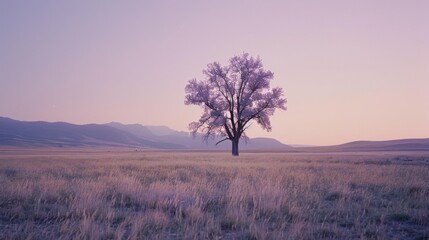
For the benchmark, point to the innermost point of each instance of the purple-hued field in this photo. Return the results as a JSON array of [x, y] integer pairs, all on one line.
[[119, 194]]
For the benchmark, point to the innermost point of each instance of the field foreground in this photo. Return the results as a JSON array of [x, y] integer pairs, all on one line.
[[95, 194]]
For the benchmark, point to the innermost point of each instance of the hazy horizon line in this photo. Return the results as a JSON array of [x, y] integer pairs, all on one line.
[[296, 145]]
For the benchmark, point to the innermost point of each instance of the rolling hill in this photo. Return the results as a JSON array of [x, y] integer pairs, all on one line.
[[414, 144]]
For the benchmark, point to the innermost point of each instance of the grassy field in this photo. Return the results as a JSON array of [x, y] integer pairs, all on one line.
[[94, 194]]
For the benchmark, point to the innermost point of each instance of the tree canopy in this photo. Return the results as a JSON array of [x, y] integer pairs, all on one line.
[[231, 97]]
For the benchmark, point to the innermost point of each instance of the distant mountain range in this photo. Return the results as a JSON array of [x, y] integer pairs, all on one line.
[[61, 134]]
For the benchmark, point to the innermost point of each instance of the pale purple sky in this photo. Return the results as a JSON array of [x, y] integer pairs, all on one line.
[[351, 70]]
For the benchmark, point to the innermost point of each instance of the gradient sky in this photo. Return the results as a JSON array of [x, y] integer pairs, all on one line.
[[351, 70]]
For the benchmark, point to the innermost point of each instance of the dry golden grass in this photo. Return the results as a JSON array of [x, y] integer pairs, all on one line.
[[95, 194]]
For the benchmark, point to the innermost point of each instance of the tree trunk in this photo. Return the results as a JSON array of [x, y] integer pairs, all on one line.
[[235, 147]]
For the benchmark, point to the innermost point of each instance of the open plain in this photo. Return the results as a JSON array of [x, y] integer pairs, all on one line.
[[127, 194]]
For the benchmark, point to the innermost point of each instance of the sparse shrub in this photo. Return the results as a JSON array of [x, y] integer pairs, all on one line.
[[399, 217], [214, 205], [228, 224], [333, 196], [414, 191], [9, 172]]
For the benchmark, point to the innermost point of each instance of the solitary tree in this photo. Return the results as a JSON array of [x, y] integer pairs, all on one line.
[[231, 97]]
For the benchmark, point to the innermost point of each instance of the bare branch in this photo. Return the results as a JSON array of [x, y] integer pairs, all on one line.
[[222, 141]]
